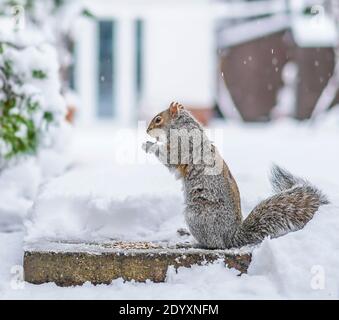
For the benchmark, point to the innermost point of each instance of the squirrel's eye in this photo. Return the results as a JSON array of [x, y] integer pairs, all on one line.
[[158, 120]]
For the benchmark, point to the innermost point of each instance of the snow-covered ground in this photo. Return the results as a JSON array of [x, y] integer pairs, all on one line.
[[113, 191]]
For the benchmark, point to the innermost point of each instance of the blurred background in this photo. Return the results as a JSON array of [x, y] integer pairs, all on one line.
[[249, 60], [122, 60]]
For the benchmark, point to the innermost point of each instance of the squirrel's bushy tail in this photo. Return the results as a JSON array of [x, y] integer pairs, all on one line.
[[294, 204], [282, 180]]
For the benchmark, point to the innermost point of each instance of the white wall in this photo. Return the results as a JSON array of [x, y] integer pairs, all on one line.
[[179, 60], [179, 55]]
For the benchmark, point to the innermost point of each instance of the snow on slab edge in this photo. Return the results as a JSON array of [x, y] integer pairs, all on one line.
[[46, 246]]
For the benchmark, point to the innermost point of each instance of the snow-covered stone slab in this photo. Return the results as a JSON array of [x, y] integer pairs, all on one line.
[[73, 263]]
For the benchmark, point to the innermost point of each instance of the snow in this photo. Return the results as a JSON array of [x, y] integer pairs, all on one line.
[[21, 179], [100, 197], [290, 262], [314, 31], [47, 92], [286, 97], [22, 175], [252, 30], [123, 201], [182, 247]]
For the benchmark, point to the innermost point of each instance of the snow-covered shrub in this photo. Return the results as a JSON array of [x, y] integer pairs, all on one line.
[[31, 106], [34, 135], [54, 20]]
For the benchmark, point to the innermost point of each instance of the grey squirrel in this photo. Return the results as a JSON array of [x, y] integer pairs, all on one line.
[[212, 199]]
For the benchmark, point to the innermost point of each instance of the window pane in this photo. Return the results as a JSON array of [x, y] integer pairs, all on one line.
[[139, 55], [106, 69]]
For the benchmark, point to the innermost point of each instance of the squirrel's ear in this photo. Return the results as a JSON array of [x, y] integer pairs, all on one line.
[[174, 109]]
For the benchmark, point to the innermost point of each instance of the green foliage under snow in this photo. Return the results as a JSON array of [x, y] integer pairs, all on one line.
[[25, 113]]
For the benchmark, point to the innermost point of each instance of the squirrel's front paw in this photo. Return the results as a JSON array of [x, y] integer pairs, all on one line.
[[148, 146]]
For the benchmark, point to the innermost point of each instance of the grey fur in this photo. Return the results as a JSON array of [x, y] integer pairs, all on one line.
[[282, 180], [213, 212]]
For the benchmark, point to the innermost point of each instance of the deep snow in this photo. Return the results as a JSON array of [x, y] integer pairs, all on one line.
[[101, 197]]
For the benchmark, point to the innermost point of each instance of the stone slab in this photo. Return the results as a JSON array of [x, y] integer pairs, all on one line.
[[68, 263]]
